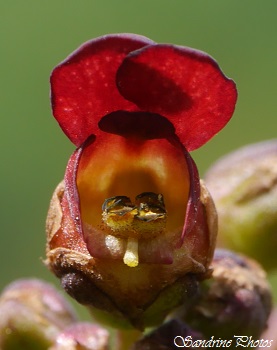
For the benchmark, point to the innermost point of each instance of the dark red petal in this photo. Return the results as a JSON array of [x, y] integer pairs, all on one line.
[[182, 84], [83, 87]]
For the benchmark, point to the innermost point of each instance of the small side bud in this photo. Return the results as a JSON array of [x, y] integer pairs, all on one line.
[[243, 185], [32, 314], [84, 336], [171, 335], [269, 336], [236, 300]]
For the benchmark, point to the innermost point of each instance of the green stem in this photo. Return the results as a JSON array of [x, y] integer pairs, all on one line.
[[125, 338]]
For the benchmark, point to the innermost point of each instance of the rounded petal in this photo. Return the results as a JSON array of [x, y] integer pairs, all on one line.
[[184, 85], [83, 87]]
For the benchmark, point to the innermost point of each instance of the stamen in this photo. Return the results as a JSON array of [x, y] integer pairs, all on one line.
[[144, 220], [151, 218], [118, 205], [118, 213], [131, 258]]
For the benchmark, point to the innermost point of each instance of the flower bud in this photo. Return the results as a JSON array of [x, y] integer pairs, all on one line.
[[32, 313], [171, 335], [82, 336], [269, 336], [236, 300], [244, 187]]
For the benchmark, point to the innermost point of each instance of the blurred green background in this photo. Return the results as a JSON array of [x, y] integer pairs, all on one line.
[[36, 35]]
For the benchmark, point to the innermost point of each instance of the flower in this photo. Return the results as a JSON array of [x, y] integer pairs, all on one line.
[[132, 224]]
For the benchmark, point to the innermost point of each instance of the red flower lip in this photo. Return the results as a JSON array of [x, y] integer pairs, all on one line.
[[132, 73], [74, 225]]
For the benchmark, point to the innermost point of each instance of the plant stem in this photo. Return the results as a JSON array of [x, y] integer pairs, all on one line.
[[125, 338]]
